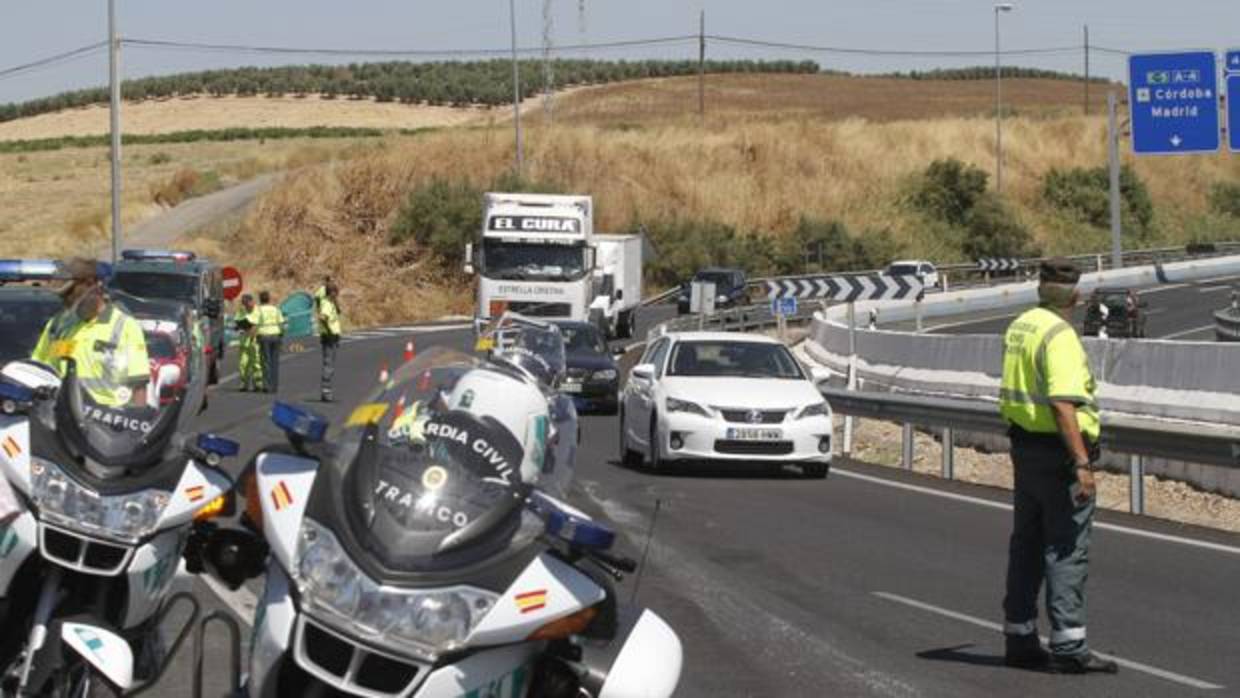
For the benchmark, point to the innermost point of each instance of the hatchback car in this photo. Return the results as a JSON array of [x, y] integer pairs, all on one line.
[[925, 272], [707, 396], [730, 288]]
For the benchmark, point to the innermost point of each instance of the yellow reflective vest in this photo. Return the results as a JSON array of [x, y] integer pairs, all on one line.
[[329, 317], [109, 352], [1044, 361], [270, 321]]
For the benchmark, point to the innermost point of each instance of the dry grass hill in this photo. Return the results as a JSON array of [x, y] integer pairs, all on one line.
[[770, 150]]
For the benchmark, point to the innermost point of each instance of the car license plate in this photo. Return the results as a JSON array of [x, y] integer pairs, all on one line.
[[571, 387], [751, 434]]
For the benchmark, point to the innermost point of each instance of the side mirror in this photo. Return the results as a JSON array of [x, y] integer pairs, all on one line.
[[211, 308], [619, 294], [819, 375], [643, 371], [469, 258]]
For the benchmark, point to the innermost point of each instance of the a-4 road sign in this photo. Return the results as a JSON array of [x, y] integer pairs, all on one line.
[[1174, 103]]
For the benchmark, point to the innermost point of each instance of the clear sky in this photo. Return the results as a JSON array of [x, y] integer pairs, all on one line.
[[32, 29]]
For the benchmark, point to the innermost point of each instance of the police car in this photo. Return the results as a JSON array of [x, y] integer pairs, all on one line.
[[26, 304], [179, 276]]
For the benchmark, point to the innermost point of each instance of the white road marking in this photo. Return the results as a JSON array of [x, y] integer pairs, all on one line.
[[963, 323], [990, 625], [1185, 333], [1214, 289], [979, 501]]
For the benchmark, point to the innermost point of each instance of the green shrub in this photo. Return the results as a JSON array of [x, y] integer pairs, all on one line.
[[160, 158], [1225, 199], [1085, 195], [993, 231], [828, 246], [442, 215], [948, 190]]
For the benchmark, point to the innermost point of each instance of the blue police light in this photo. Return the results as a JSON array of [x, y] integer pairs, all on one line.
[[570, 526], [13, 397], [296, 421], [28, 270], [218, 445]]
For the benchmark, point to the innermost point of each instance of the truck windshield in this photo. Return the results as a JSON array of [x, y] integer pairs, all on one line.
[[532, 261]]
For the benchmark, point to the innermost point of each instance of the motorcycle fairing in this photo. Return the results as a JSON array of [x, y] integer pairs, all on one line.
[[18, 540], [503, 672], [104, 650], [284, 484], [548, 589], [273, 633], [15, 452], [648, 664], [150, 573], [197, 488]]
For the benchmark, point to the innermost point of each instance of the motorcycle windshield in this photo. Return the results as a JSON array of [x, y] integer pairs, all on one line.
[[535, 347], [118, 410], [429, 478]]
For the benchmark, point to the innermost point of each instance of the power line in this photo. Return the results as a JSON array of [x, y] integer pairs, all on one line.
[[393, 53], [51, 61], [889, 52]]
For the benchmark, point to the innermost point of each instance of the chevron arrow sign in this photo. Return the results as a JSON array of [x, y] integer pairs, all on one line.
[[847, 289], [998, 264]]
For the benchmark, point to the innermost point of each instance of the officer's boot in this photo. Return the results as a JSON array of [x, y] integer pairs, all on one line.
[[1087, 663], [1025, 652]]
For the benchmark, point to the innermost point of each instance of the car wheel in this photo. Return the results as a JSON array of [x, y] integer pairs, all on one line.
[[628, 457], [654, 459], [816, 471]]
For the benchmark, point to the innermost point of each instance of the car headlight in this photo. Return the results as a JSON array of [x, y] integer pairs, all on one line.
[[817, 409], [61, 500], [425, 622], [675, 405], [607, 374]]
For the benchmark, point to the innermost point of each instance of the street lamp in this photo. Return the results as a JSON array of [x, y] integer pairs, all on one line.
[[516, 86], [999, 7]]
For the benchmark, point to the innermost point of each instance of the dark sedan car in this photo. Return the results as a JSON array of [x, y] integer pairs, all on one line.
[[593, 378]]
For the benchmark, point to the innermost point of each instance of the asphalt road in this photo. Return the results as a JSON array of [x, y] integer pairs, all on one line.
[[1182, 312], [870, 583]]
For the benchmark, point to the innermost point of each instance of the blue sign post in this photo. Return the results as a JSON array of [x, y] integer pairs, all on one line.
[[1174, 103], [1233, 113], [784, 305]]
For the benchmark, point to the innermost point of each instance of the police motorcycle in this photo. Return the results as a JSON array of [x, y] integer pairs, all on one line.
[[105, 493], [414, 552]]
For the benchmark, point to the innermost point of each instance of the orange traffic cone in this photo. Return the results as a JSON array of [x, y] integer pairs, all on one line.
[[383, 373], [400, 408], [408, 351]]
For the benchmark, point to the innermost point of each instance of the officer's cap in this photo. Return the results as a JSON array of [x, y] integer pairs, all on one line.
[[1058, 270]]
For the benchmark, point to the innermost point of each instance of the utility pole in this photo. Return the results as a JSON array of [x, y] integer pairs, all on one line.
[[1001, 7], [1117, 250], [114, 82], [1086, 70], [516, 87], [702, 65]]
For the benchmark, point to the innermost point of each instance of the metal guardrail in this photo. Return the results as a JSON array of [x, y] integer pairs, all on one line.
[[739, 319], [1138, 437], [1227, 325]]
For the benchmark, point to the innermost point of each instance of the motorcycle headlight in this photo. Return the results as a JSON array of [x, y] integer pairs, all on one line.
[[817, 409], [61, 500], [676, 405], [425, 622], [607, 374]]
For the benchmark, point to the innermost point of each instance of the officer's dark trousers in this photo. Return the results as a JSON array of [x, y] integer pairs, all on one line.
[[329, 343], [1050, 542], [270, 345]]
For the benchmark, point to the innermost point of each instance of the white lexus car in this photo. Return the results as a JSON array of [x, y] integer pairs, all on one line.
[[723, 397]]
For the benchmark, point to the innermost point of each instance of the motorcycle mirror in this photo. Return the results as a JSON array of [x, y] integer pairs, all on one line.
[[232, 556]]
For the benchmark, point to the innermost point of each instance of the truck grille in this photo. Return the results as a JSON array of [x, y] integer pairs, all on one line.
[[753, 448], [78, 552], [540, 309], [350, 667], [743, 416]]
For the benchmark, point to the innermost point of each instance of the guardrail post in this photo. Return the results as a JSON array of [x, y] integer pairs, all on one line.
[[852, 374], [949, 454], [1136, 484], [906, 447]]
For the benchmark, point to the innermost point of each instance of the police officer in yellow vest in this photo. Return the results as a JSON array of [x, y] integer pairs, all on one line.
[[329, 336], [270, 337], [106, 345], [250, 356], [1048, 398]]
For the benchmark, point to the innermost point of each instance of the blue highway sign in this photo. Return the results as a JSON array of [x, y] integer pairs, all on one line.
[[784, 305], [1232, 65], [1174, 103]]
